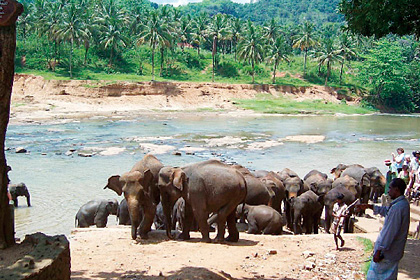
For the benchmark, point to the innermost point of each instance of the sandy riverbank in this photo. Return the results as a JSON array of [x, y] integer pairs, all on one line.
[[37, 99]]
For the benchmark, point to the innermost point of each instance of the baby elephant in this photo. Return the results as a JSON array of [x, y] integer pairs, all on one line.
[[96, 212], [20, 189], [261, 219]]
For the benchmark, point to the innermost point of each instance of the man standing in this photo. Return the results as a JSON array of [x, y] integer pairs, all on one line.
[[389, 246]]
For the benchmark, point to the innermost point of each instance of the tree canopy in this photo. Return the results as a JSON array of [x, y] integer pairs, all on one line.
[[379, 18]]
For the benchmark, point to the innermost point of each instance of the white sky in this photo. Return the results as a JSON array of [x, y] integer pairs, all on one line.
[[184, 2]]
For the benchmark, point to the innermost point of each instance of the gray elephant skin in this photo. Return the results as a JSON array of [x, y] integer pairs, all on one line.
[[319, 183], [261, 219], [294, 187], [139, 186], [96, 212], [307, 210], [17, 190], [330, 199], [207, 187]]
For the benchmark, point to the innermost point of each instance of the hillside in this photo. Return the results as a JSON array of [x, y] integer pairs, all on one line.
[[285, 11]]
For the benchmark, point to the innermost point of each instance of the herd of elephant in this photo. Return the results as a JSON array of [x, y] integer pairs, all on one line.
[[201, 194]]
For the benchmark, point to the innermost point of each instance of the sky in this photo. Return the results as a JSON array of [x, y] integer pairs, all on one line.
[[184, 2]]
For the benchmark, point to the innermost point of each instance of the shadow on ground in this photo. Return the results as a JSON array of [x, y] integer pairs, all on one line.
[[409, 265], [187, 273]]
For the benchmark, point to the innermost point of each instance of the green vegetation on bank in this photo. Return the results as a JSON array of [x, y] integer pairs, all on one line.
[[284, 44], [283, 105], [368, 249]]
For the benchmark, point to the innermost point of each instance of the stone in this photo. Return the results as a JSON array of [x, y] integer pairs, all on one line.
[[176, 153], [83, 154], [330, 256], [20, 150], [309, 266], [68, 153], [272, 252], [307, 254]]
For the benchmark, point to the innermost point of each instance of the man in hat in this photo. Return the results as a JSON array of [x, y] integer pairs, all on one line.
[[390, 244], [340, 213]]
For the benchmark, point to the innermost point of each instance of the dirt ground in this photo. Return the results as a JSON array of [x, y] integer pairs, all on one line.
[[111, 254]]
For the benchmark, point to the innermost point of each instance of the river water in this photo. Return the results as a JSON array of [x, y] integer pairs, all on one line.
[[60, 182]]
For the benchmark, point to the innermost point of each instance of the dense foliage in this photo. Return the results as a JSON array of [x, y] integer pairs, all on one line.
[[139, 40]]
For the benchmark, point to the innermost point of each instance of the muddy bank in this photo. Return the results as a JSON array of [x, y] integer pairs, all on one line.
[[35, 98]]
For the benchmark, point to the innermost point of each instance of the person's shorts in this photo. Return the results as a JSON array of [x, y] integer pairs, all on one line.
[[383, 270]]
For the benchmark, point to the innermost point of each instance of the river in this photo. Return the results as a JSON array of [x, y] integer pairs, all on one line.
[[61, 181]]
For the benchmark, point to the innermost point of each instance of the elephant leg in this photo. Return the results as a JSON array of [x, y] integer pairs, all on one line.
[[186, 223], [232, 229], [252, 226], [328, 214], [316, 223], [28, 200], [288, 211], [15, 202], [149, 212], [203, 226], [308, 225]]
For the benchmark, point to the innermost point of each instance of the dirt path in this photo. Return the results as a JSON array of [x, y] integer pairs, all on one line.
[[111, 254]]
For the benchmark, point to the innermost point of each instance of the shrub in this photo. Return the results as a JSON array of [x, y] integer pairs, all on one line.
[[227, 69]]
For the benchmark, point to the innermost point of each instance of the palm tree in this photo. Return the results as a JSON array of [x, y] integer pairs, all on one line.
[[328, 55], [199, 30], [251, 48], [70, 29], [216, 31], [305, 40], [271, 30], [185, 31], [155, 32], [111, 22], [235, 30], [347, 50], [278, 51]]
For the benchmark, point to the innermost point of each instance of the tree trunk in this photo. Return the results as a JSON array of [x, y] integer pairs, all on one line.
[[328, 73], [304, 60], [274, 74], [7, 71], [153, 62], [253, 71], [162, 50], [213, 55], [341, 71], [71, 56]]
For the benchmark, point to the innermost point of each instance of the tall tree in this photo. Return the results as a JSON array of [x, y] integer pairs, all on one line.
[[277, 52], [305, 40], [235, 30], [251, 48], [327, 55], [199, 31], [347, 51], [216, 31], [155, 32]]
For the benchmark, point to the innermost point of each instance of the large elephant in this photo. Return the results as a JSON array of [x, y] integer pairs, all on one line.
[[359, 173], [261, 219], [139, 186], [307, 207], [20, 189], [330, 199], [294, 187], [96, 212], [267, 189], [207, 187], [377, 183], [350, 184], [315, 172], [318, 183]]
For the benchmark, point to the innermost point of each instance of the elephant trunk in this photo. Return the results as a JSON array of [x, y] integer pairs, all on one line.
[[28, 199], [167, 207], [134, 211]]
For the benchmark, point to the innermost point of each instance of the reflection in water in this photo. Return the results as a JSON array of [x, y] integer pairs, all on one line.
[[60, 181]]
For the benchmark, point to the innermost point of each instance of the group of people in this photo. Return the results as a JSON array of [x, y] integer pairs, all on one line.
[[406, 167]]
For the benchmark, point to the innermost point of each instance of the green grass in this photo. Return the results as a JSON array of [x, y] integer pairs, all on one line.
[[368, 248], [265, 103]]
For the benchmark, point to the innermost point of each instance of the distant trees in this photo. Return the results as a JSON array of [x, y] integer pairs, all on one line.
[[305, 40]]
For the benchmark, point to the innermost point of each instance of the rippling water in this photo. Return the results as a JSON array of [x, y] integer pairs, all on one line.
[[60, 183]]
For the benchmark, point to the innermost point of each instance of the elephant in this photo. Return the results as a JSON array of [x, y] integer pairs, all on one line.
[[350, 184], [207, 187], [96, 212], [178, 216], [330, 199], [315, 172], [307, 207], [122, 213], [261, 219], [336, 171], [362, 177], [294, 187], [159, 220], [318, 183], [286, 173], [377, 183], [139, 186], [20, 189], [267, 190]]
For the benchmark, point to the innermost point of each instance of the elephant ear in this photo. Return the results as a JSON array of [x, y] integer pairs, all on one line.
[[179, 179], [146, 180], [115, 184]]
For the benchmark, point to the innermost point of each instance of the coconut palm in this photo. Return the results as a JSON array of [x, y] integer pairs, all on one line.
[[235, 30], [347, 50], [155, 33], [277, 51], [251, 48], [327, 55], [271, 30], [199, 30], [305, 39], [216, 31]]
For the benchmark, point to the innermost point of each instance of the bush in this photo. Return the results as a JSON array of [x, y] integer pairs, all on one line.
[[191, 60], [227, 69], [259, 70]]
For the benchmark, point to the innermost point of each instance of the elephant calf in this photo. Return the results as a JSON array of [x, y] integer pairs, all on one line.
[[20, 189], [96, 212], [261, 219]]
